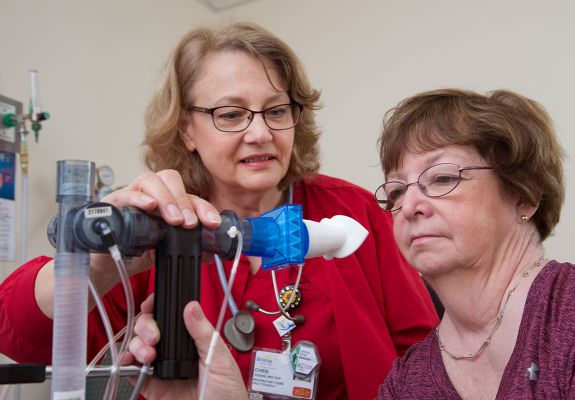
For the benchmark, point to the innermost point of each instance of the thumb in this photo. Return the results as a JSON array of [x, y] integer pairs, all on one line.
[[226, 379], [198, 326]]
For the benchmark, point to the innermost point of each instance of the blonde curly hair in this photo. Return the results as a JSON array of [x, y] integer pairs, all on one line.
[[163, 146]]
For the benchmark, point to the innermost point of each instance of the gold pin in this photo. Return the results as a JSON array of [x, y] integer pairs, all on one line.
[[285, 295]]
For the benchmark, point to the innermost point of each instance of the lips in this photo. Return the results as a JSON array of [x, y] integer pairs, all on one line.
[[421, 237], [258, 158]]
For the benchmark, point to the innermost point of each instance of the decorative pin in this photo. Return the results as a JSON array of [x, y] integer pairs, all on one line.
[[283, 325], [532, 371], [285, 295]]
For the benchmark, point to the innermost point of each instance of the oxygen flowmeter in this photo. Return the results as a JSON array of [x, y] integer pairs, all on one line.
[[13, 141]]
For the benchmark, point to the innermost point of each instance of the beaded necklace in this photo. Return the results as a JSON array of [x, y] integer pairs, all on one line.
[[508, 293]]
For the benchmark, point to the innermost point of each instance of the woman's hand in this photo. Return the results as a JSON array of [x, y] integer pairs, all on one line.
[[224, 380], [162, 194]]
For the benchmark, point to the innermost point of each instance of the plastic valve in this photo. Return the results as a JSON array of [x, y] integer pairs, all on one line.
[[9, 120]]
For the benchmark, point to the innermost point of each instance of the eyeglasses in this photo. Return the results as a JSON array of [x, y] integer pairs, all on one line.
[[236, 119], [436, 181]]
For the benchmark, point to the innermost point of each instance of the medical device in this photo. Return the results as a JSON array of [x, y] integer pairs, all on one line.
[[14, 140], [281, 237], [332, 238]]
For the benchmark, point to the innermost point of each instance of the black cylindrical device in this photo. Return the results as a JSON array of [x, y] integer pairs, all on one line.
[[178, 263]]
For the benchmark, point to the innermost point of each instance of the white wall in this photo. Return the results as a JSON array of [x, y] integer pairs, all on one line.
[[98, 62], [368, 55]]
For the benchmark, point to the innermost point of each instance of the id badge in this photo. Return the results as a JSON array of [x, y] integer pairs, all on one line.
[[279, 375]]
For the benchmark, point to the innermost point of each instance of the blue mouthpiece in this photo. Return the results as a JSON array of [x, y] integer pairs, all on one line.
[[279, 236]]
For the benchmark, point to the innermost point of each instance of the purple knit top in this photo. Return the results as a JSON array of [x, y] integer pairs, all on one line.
[[546, 339]]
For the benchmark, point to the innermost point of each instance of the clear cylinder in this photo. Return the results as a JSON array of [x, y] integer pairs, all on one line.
[[76, 187], [70, 326]]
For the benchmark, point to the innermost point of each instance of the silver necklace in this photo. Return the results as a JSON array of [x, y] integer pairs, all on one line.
[[508, 293]]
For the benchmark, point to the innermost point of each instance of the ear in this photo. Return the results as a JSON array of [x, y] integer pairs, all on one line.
[[186, 131], [525, 209]]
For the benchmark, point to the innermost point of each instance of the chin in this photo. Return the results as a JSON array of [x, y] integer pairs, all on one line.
[[258, 187], [262, 182], [429, 264]]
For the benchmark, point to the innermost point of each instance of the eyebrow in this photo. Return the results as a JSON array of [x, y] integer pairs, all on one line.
[[428, 163], [237, 100]]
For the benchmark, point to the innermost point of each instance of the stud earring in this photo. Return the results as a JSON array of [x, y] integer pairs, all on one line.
[[524, 218]]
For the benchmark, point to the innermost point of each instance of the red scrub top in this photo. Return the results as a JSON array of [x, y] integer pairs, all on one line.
[[362, 311]]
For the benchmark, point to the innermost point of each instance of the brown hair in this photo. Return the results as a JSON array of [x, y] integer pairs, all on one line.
[[512, 133], [163, 146]]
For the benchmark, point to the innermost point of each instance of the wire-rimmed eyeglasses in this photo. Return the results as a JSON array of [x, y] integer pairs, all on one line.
[[436, 181], [237, 119]]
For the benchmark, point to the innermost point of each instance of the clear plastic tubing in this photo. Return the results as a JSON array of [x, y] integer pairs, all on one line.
[[24, 219], [71, 274]]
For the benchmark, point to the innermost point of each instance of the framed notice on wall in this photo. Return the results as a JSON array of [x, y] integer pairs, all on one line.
[[7, 206]]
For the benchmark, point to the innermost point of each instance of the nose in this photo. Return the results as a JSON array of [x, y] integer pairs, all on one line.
[[414, 201], [258, 132]]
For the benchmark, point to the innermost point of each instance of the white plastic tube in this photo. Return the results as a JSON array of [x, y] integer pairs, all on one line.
[[112, 386], [107, 324], [224, 283], [24, 219], [208, 362]]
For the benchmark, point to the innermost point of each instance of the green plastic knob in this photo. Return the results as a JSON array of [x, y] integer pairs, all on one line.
[[43, 116], [9, 120]]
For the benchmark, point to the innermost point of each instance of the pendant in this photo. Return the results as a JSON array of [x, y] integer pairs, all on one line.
[[285, 295]]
